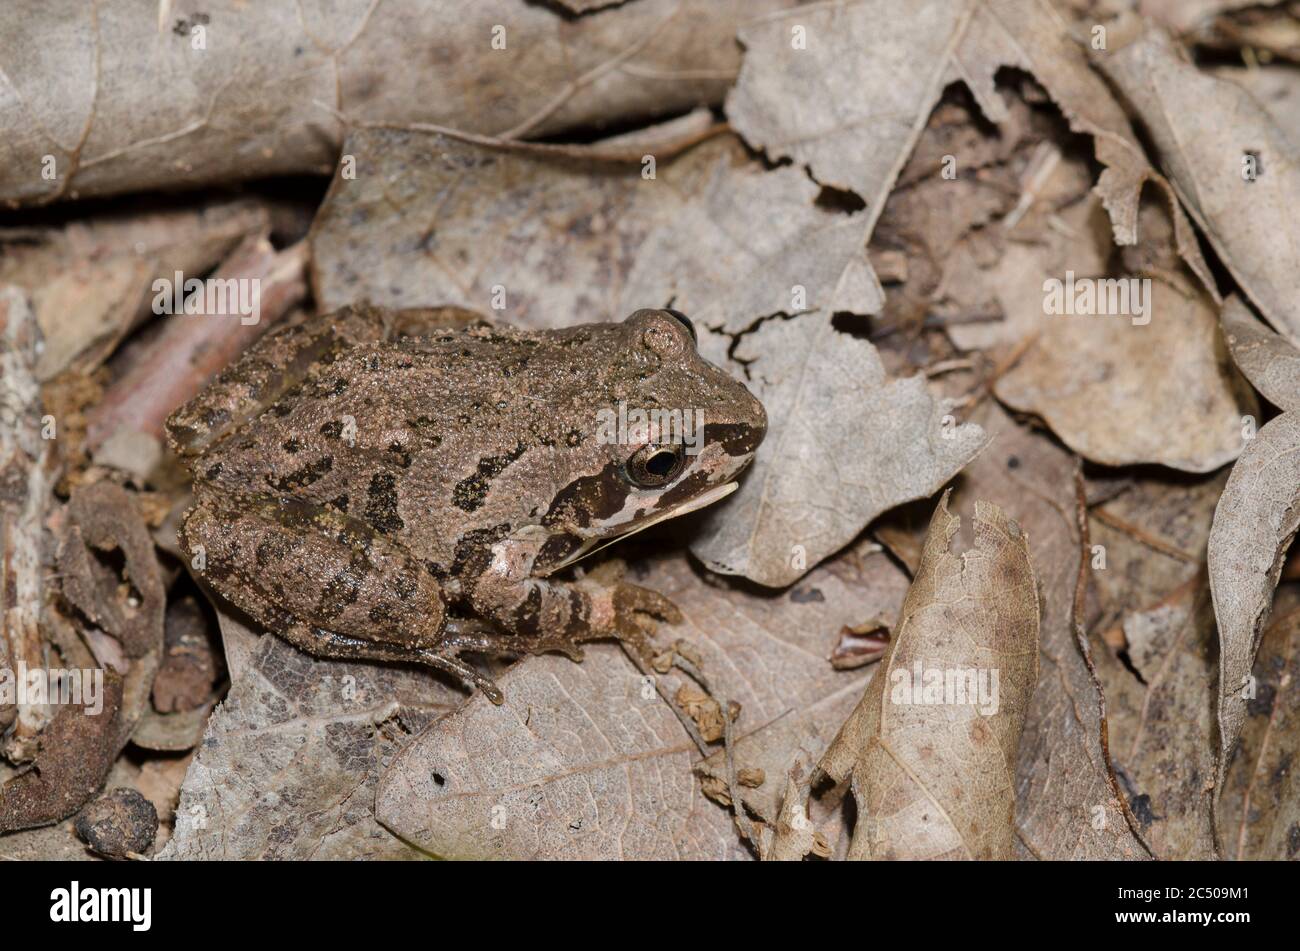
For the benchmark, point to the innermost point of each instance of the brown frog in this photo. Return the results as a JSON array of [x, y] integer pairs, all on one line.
[[372, 493]]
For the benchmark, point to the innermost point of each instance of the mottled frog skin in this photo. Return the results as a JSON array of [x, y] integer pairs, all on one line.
[[373, 493]]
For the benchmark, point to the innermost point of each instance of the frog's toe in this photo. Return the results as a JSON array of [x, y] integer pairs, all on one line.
[[630, 599], [447, 660]]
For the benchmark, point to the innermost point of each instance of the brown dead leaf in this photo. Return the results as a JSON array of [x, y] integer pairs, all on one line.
[[103, 524], [931, 763], [1161, 715], [1154, 387], [1066, 805], [851, 101], [77, 750], [432, 221], [582, 761], [1207, 132], [131, 102], [1257, 516], [1270, 363], [1149, 540], [580, 751], [288, 766], [1260, 806], [845, 443]]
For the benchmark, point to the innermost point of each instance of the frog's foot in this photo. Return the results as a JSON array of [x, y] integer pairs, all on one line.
[[444, 657], [635, 612]]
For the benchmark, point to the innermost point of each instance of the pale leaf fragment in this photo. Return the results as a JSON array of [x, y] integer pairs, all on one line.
[[845, 443], [852, 101]]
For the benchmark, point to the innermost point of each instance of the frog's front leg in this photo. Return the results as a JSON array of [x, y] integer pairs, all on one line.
[[558, 615]]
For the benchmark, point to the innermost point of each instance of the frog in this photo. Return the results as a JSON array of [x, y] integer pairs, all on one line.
[[417, 486]]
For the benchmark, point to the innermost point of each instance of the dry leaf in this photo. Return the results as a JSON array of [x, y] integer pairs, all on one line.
[[1120, 391], [103, 522], [763, 651], [1209, 134], [852, 101], [930, 746], [288, 766], [1162, 732], [77, 751], [582, 761], [1152, 538], [1260, 807], [845, 443], [533, 241], [1256, 519], [1270, 363], [131, 102], [1066, 799]]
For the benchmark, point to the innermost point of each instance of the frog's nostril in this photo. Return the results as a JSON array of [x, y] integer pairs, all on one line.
[[684, 321]]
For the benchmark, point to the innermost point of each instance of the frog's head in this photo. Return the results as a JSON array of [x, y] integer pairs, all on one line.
[[673, 432]]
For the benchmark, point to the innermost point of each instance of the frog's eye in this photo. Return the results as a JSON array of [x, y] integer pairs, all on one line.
[[684, 321], [652, 466]]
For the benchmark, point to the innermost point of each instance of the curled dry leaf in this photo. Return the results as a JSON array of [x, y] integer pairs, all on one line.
[[1232, 167], [1156, 386], [288, 766], [930, 747], [1270, 363], [1257, 516], [1066, 796], [128, 603], [585, 760], [439, 221], [845, 443], [494, 66], [77, 750]]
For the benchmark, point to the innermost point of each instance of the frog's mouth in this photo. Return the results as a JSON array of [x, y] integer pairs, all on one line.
[[592, 545]]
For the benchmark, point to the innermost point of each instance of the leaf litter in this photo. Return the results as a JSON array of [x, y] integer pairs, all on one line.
[[906, 239]]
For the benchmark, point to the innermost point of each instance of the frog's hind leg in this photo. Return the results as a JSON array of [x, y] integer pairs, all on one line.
[[330, 644], [329, 585]]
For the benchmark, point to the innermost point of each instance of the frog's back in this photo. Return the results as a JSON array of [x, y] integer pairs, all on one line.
[[408, 439]]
